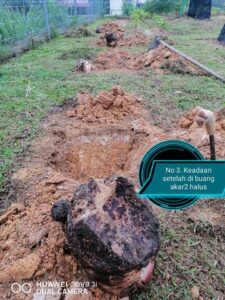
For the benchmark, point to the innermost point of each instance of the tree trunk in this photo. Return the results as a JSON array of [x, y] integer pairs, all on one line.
[[200, 9], [221, 37]]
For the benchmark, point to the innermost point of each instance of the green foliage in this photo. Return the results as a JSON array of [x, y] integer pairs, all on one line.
[[139, 15], [127, 8], [216, 11], [12, 26], [163, 6], [159, 21], [27, 23]]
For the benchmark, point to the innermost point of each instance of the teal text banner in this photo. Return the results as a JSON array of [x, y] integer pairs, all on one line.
[[173, 179]]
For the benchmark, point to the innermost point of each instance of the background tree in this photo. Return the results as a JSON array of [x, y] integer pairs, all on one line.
[[221, 37], [200, 9]]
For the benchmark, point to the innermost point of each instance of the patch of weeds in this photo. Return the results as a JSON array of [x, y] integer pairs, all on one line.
[[78, 32], [185, 260], [204, 228], [5, 54], [80, 53]]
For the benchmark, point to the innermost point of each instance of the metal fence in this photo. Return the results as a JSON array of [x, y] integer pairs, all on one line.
[[24, 21]]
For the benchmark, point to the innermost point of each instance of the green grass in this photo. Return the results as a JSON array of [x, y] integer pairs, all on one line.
[[198, 39], [187, 258]]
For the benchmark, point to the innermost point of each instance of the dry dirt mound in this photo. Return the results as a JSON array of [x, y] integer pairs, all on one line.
[[111, 27], [163, 60], [136, 38], [113, 59], [106, 107]]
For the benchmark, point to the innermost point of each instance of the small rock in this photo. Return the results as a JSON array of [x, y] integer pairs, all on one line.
[[55, 179], [36, 237], [195, 292], [71, 113], [15, 209]]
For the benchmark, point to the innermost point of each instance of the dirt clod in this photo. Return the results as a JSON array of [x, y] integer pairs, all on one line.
[[106, 107], [163, 60], [195, 292], [113, 59], [110, 27], [20, 269]]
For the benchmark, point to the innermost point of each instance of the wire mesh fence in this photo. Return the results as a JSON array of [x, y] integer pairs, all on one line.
[[23, 22]]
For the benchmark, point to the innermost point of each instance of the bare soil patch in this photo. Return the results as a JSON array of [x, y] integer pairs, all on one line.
[[106, 135]]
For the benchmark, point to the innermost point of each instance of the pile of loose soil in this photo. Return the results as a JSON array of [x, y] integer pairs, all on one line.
[[136, 38], [188, 119], [162, 60], [78, 32], [111, 27], [113, 59], [106, 107]]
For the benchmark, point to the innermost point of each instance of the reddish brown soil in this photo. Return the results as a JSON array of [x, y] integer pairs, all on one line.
[[113, 59], [199, 137], [136, 38], [125, 39], [161, 60], [106, 107], [111, 27]]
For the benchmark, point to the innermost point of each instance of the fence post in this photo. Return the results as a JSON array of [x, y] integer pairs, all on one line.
[[75, 7], [47, 26]]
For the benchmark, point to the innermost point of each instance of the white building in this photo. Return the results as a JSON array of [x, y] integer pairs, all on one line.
[[114, 7]]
